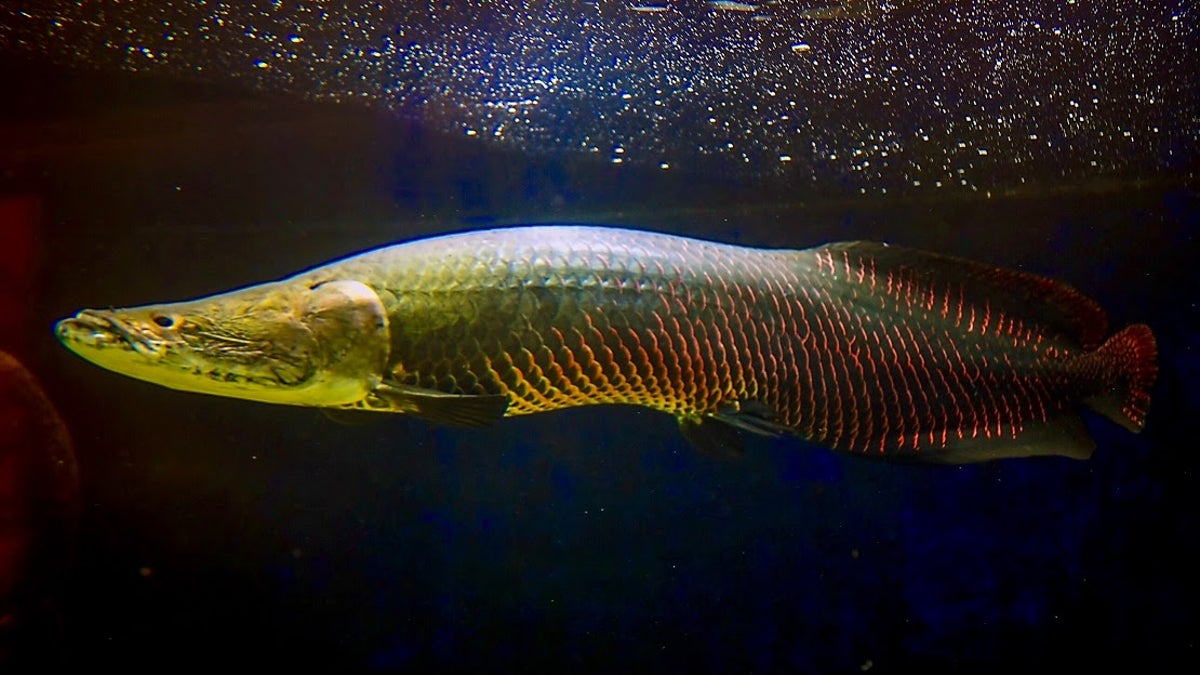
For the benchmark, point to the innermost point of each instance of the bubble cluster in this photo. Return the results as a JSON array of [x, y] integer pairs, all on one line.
[[870, 95]]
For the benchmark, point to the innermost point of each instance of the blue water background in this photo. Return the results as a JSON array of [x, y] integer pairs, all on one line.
[[221, 531]]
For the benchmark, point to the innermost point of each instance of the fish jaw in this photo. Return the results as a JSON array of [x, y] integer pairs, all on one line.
[[320, 344], [100, 337]]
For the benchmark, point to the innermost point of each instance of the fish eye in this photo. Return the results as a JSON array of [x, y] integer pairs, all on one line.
[[163, 320]]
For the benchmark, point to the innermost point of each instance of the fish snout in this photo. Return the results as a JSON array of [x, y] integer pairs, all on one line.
[[100, 328], [87, 323]]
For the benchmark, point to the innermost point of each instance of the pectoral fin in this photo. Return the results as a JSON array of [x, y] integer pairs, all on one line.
[[457, 410], [351, 417]]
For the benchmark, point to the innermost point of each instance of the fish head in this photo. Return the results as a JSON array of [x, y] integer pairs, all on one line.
[[317, 343]]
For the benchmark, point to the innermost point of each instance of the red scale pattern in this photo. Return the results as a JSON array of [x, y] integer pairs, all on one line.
[[862, 347]]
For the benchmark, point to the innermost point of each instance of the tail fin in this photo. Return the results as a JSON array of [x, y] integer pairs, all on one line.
[[1128, 365]]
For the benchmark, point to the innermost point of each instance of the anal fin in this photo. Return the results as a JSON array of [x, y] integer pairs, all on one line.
[[1063, 436]]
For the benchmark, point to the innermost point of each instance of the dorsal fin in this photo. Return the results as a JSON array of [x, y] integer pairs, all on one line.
[[1034, 298]]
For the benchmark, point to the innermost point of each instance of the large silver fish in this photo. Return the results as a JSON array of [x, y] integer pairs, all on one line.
[[862, 347]]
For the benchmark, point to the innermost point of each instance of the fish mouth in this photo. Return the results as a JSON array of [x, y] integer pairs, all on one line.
[[97, 329]]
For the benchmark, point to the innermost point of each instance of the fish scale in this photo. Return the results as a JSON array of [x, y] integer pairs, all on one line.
[[844, 354]]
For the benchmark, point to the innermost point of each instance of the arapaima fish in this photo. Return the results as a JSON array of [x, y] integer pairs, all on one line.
[[862, 347]]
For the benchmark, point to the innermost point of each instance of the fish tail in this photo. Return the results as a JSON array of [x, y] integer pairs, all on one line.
[[1124, 368]]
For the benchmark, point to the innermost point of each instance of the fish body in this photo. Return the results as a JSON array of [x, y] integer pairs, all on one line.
[[862, 347]]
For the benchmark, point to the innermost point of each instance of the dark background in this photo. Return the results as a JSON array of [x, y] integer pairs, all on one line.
[[221, 532]]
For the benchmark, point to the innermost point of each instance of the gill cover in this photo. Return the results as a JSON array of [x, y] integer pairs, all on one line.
[[321, 344]]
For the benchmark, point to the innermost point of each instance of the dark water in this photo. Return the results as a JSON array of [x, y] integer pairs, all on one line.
[[221, 531]]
